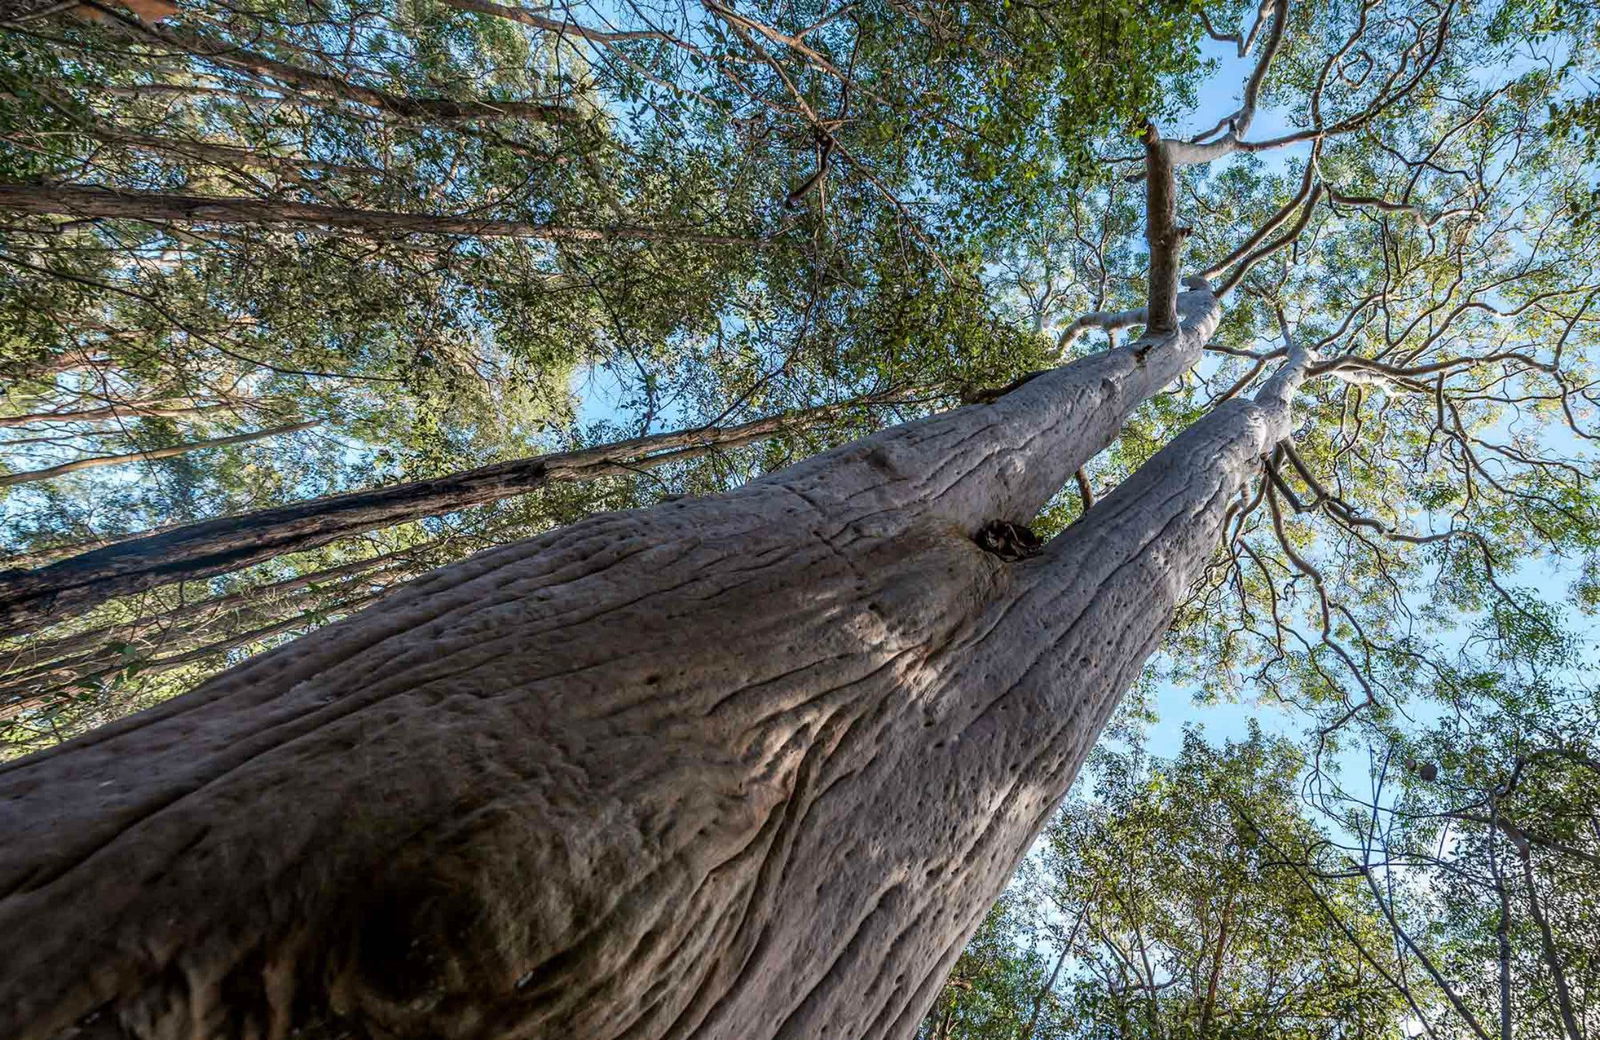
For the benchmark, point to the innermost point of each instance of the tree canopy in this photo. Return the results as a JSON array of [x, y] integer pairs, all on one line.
[[299, 300]]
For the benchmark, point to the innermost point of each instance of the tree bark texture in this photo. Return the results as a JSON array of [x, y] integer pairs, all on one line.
[[742, 767]]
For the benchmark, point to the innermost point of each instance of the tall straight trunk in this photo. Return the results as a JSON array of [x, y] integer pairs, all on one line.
[[35, 671], [98, 461], [1219, 953], [47, 652], [79, 201], [262, 623], [749, 766], [68, 361], [29, 598], [264, 67], [1046, 991], [112, 411], [1547, 947], [227, 156]]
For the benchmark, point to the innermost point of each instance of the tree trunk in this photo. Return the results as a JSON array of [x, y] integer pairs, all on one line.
[[262, 66], [29, 476], [79, 201], [227, 156], [37, 670], [191, 650], [134, 410], [29, 598], [742, 767], [1046, 991], [68, 361], [44, 653], [1219, 953]]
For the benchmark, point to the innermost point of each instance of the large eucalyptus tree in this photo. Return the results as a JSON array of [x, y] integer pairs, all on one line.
[[755, 764], [224, 220]]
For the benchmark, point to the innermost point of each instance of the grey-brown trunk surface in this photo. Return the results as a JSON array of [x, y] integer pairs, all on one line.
[[743, 767]]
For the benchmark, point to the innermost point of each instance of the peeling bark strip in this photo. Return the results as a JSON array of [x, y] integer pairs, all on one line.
[[29, 598], [742, 767], [77, 201]]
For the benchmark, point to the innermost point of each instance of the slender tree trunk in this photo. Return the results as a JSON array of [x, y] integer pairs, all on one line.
[[80, 201], [227, 156], [262, 66], [192, 551], [48, 652], [1045, 991], [10, 479], [1502, 924], [1547, 947], [264, 623], [38, 669], [68, 361], [268, 627], [112, 411], [1214, 977], [747, 766]]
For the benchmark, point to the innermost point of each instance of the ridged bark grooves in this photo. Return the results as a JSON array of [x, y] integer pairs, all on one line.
[[742, 767]]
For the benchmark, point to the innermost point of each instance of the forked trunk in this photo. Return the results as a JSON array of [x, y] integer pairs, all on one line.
[[741, 767]]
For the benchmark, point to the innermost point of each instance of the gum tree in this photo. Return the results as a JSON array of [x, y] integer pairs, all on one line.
[[755, 764], [407, 222]]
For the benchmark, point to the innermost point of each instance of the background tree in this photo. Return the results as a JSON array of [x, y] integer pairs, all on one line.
[[1442, 882], [1164, 903]]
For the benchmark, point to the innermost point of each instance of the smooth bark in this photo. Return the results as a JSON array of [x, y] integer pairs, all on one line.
[[29, 598], [1162, 234]]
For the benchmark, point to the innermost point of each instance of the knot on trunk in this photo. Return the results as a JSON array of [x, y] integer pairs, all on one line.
[[1008, 541]]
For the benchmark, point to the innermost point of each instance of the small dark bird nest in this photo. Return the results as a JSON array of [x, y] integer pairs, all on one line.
[[1427, 771]]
